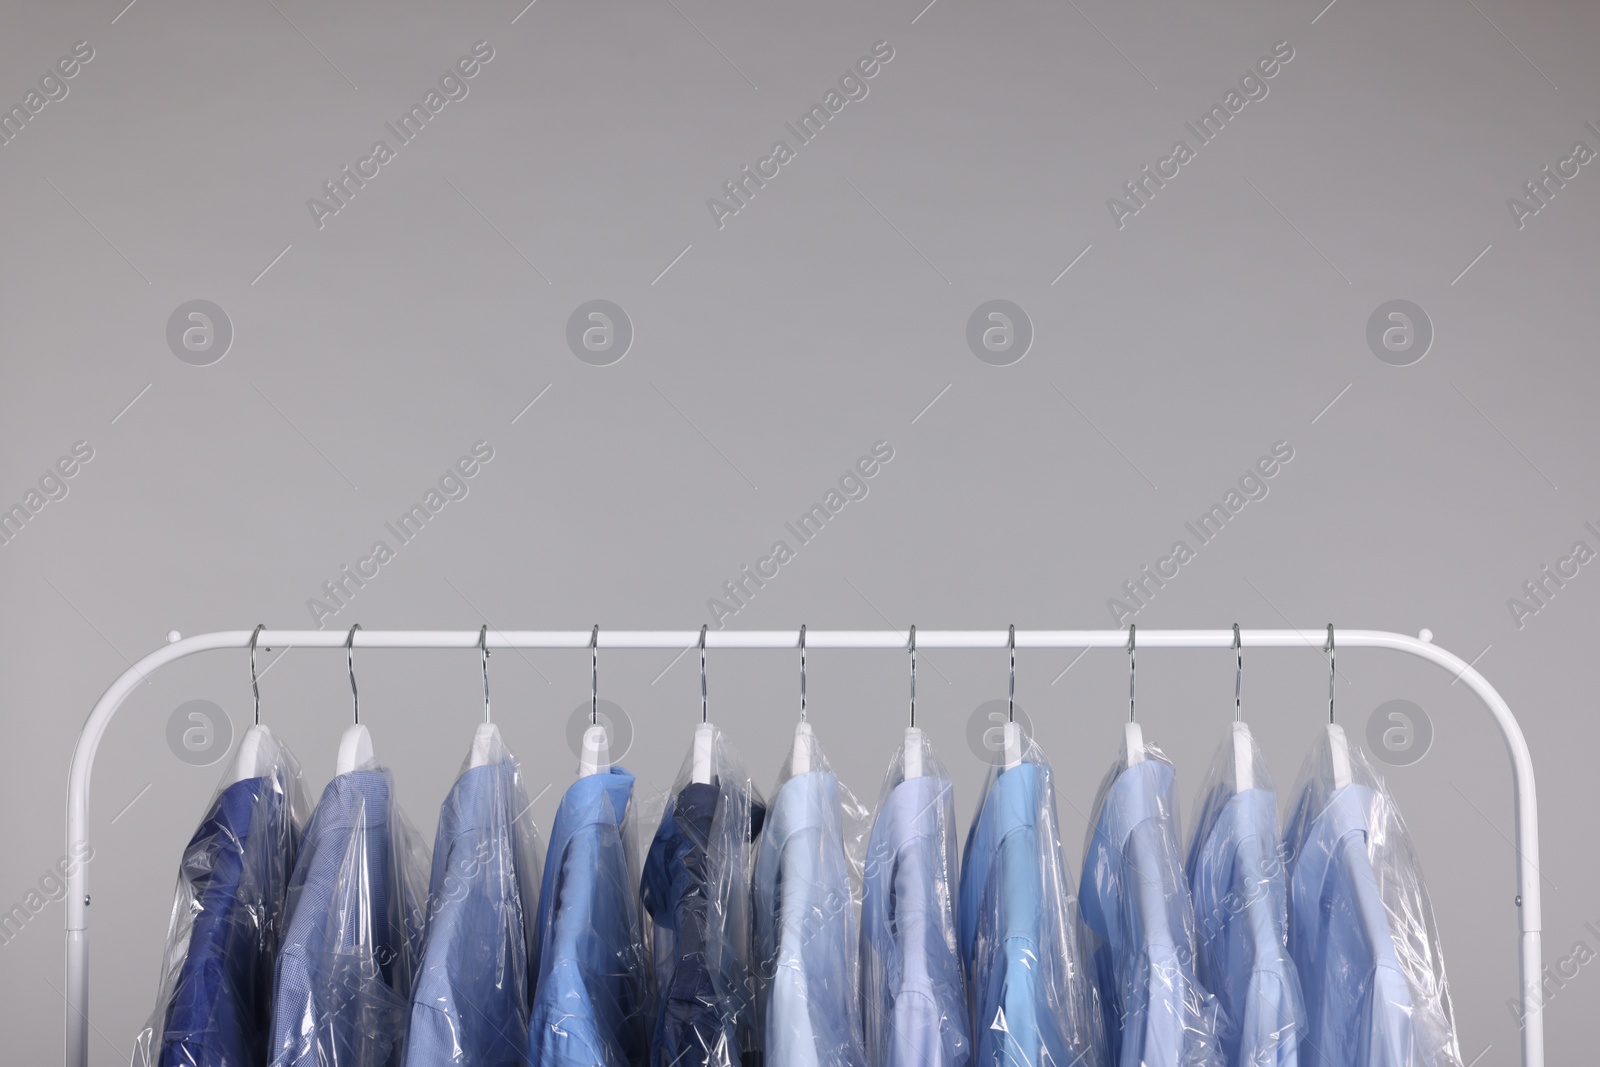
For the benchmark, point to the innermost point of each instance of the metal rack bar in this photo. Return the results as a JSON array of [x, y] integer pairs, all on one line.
[[1526, 803]]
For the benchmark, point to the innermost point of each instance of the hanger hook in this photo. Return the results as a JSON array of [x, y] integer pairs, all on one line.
[[1332, 670], [594, 676], [255, 689], [1238, 675], [350, 663], [705, 714], [913, 651], [802, 672], [1133, 665], [1011, 699], [483, 648]]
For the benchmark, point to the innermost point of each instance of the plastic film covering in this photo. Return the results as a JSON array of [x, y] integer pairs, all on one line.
[[1032, 1003], [806, 894], [1139, 922], [228, 913], [469, 1002], [696, 890], [913, 997], [356, 900], [591, 1008], [1361, 928], [1239, 884]]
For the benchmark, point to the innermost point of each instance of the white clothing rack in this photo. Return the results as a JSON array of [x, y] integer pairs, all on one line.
[[1527, 811]]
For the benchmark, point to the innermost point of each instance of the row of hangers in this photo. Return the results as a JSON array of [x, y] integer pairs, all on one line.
[[258, 750]]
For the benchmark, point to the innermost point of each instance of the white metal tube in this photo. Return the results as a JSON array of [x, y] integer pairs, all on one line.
[[1527, 811]]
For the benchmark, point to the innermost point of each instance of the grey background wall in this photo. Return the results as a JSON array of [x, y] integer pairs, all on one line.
[[364, 350]]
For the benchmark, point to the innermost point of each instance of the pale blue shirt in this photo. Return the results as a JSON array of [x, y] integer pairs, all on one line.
[[915, 1008], [805, 933], [1237, 875]]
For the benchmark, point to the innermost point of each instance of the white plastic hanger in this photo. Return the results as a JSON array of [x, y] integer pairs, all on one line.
[[355, 747], [800, 751], [705, 732], [596, 755], [1244, 771], [1132, 735], [1338, 744], [913, 743], [486, 739], [258, 750]]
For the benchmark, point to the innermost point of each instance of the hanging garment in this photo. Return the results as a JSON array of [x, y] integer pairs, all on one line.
[[913, 998], [343, 984], [469, 1003], [1361, 927], [696, 887], [215, 1005], [590, 1007], [806, 940], [1140, 923], [1031, 1001], [1236, 873]]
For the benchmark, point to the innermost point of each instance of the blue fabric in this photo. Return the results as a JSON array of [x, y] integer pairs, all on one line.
[[1358, 1003], [469, 1004], [918, 1015], [333, 1003], [704, 1001], [1236, 873], [590, 1003], [1014, 967], [221, 1006], [1135, 900], [805, 935]]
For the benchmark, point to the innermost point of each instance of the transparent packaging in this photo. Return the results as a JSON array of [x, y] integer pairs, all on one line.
[[1030, 995], [914, 999], [592, 1007], [214, 1008], [1139, 922], [696, 890], [1239, 883], [806, 894], [343, 986], [1361, 927], [469, 1001]]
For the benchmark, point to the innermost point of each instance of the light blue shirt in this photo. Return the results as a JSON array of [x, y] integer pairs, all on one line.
[[805, 933], [1030, 1004], [1358, 1003], [914, 1002], [1136, 902], [343, 984], [470, 1004], [590, 1007], [1237, 875]]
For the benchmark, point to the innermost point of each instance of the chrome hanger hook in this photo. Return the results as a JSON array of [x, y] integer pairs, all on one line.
[[802, 672], [1011, 698], [1238, 675], [594, 676], [913, 651], [1332, 671], [705, 713], [483, 648], [255, 689], [1133, 665], [350, 664]]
